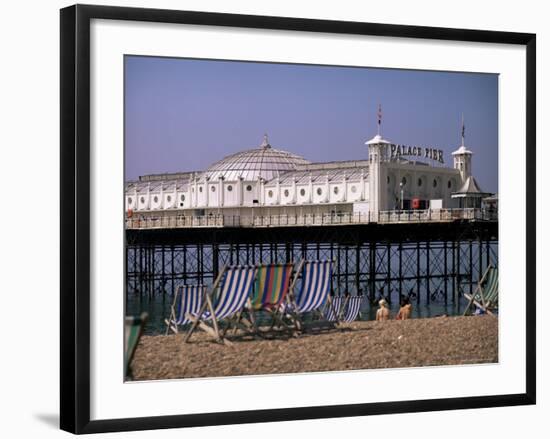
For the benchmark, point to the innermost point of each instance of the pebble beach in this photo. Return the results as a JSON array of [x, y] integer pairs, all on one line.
[[361, 345]]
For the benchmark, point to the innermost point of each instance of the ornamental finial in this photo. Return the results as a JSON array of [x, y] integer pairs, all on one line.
[[265, 143]]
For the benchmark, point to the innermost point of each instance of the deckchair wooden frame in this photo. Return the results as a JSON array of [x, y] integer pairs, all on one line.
[[239, 321], [486, 302], [172, 317], [207, 304]]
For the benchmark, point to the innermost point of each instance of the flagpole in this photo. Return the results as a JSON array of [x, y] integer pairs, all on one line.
[[379, 117], [463, 129]]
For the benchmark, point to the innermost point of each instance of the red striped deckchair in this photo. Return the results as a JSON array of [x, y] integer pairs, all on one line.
[[270, 290], [271, 286]]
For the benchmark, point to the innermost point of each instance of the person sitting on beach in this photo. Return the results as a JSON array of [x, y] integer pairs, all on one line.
[[405, 311], [383, 312]]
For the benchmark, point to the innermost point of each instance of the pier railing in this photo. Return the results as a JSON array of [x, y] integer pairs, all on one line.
[[304, 220]]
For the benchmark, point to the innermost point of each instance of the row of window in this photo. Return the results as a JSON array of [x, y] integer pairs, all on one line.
[[156, 199], [229, 188], [419, 182], [286, 192]]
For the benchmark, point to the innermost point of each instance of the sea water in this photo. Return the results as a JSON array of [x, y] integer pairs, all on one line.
[[158, 308]]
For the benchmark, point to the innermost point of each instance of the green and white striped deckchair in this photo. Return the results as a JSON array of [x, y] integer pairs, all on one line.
[[485, 296], [133, 329]]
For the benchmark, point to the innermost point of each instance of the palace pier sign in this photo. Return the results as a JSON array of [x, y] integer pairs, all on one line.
[[397, 151]]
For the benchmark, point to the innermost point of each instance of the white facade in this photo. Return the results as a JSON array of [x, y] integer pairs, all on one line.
[[268, 181]]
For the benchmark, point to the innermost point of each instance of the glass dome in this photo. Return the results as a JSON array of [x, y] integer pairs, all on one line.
[[265, 162]]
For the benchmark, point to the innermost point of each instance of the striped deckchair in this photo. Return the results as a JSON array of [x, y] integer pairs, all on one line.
[[315, 285], [271, 286], [352, 308], [232, 287], [485, 296], [334, 307], [187, 301], [316, 277], [269, 294], [133, 329]]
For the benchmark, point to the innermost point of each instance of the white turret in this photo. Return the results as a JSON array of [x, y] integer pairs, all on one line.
[[462, 158], [378, 150]]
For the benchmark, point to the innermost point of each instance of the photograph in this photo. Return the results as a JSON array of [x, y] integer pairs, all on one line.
[[295, 218]]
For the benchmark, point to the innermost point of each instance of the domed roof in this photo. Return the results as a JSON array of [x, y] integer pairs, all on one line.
[[265, 162]]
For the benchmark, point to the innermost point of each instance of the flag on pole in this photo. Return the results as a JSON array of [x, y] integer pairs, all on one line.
[[463, 129]]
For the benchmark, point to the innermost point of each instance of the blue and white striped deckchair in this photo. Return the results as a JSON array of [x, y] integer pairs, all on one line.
[[313, 292], [187, 302], [352, 308], [333, 310], [316, 277], [233, 286]]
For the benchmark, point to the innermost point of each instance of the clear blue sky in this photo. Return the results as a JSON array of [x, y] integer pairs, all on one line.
[[184, 115]]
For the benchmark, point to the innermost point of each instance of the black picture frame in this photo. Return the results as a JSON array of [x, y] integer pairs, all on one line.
[[75, 217]]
